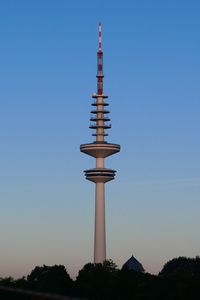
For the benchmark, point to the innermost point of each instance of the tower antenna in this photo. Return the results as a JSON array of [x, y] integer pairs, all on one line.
[[100, 37]]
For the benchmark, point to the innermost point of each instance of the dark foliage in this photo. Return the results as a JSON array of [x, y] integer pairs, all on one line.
[[182, 266], [54, 279], [178, 280], [97, 280], [7, 281]]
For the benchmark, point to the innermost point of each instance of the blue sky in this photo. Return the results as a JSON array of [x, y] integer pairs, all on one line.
[[47, 75]]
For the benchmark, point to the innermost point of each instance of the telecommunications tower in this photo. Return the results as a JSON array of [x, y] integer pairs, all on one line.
[[100, 149]]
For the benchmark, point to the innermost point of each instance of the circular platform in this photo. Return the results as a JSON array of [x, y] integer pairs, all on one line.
[[100, 149], [100, 175], [103, 111], [94, 95], [97, 103], [95, 126], [104, 119]]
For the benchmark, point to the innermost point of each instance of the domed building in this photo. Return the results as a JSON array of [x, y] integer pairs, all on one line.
[[133, 264]]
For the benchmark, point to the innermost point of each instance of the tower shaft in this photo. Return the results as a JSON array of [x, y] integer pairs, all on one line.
[[100, 221], [100, 226]]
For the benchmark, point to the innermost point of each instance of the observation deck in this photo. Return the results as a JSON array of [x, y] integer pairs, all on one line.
[[100, 149], [100, 175]]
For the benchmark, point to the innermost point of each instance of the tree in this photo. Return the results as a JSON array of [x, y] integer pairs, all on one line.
[[181, 266], [96, 280], [7, 281], [53, 279]]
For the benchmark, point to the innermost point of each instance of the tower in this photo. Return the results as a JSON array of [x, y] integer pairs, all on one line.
[[100, 149]]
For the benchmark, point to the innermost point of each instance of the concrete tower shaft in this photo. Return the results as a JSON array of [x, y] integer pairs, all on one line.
[[100, 149]]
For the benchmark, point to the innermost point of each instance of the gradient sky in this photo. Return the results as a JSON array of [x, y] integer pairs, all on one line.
[[47, 75]]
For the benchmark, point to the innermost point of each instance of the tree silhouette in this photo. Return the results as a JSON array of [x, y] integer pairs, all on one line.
[[181, 266], [96, 280], [54, 279]]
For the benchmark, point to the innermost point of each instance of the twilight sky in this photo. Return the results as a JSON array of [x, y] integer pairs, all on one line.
[[47, 75]]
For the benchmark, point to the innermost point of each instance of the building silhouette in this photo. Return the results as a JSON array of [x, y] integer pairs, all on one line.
[[133, 264]]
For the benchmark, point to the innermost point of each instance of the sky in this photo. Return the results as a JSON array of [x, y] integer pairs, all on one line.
[[47, 76]]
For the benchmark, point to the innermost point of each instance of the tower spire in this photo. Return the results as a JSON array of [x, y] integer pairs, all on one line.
[[100, 63], [100, 149], [100, 37]]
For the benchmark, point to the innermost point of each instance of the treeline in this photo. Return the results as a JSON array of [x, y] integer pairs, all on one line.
[[179, 279]]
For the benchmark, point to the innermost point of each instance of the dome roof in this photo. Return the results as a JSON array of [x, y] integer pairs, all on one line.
[[133, 264]]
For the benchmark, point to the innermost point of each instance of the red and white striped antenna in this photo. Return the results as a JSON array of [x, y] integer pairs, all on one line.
[[100, 37], [100, 63]]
